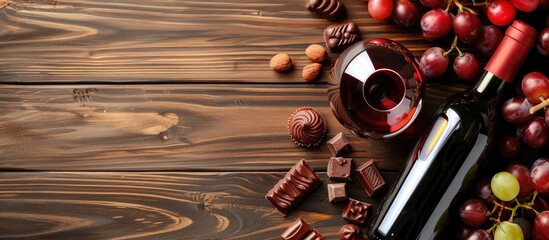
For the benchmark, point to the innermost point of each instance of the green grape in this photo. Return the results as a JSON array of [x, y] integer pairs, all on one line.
[[505, 186], [508, 231]]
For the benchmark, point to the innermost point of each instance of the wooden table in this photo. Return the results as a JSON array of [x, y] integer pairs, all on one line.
[[160, 119]]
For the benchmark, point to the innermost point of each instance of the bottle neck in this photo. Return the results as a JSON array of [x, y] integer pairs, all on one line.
[[489, 86]]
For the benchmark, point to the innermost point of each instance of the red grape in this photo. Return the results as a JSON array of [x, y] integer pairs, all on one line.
[[540, 175], [525, 226], [544, 39], [501, 12], [488, 40], [535, 133], [522, 174], [509, 146], [515, 110], [436, 23], [466, 66], [543, 4], [380, 9], [432, 3], [405, 13], [483, 190], [464, 231], [525, 5], [473, 212], [433, 63], [542, 51], [535, 85], [467, 26], [541, 225], [479, 235]]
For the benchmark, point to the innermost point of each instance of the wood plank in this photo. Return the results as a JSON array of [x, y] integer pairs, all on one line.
[[176, 127], [167, 41], [157, 206]]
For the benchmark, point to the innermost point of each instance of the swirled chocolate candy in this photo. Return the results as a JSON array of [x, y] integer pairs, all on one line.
[[298, 183], [307, 127], [300, 230], [350, 232], [356, 211], [329, 9], [340, 36]]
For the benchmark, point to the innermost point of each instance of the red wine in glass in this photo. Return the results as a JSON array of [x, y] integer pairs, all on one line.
[[377, 88]]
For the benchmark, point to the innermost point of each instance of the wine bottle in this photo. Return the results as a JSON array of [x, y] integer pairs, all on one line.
[[447, 156]]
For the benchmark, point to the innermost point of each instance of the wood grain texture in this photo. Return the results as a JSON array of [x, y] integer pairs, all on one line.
[[157, 206], [174, 127], [168, 41]]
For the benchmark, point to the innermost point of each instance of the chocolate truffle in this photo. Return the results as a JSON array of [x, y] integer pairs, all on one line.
[[338, 145], [356, 211], [339, 169], [370, 178], [337, 192], [350, 232], [307, 127]]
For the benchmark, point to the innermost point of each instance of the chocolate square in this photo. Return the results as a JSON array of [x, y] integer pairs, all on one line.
[[300, 230], [339, 168], [339, 37], [356, 211], [337, 192], [338, 145], [329, 9], [298, 183], [370, 178]]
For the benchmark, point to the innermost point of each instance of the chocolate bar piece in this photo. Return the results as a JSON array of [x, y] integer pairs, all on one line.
[[356, 211], [370, 178], [298, 183], [340, 36], [337, 192], [338, 145], [329, 9], [350, 232], [339, 168], [300, 230]]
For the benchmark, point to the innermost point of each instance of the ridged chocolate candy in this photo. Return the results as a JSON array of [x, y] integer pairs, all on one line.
[[329, 9]]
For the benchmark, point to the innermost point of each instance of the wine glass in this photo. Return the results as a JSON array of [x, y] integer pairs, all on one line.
[[376, 88]]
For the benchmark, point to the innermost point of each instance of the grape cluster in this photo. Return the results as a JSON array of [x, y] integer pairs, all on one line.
[[532, 124], [509, 206], [440, 20]]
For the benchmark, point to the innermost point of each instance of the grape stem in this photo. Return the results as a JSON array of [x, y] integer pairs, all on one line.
[[461, 8], [543, 104], [475, 4], [454, 46]]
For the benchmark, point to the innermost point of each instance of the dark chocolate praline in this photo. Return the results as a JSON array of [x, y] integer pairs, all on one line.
[[307, 127]]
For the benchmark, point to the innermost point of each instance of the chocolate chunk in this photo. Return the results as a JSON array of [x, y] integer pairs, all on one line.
[[340, 36], [339, 168], [298, 183], [338, 145], [350, 232], [307, 127], [356, 211], [370, 178], [301, 230], [337, 192], [329, 9]]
